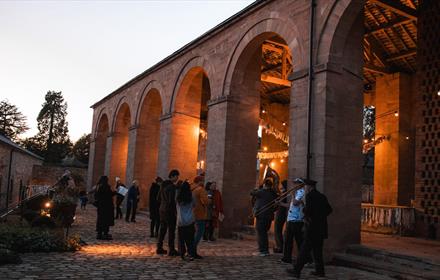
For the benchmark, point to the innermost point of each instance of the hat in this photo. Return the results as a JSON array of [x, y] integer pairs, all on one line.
[[305, 181]]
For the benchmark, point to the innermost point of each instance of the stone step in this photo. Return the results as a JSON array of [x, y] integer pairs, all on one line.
[[394, 258], [395, 270]]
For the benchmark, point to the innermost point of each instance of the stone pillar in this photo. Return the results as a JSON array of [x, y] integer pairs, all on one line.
[[108, 155], [90, 169], [394, 157], [129, 173], [164, 146]]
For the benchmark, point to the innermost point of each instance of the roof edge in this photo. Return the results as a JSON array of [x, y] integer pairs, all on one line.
[[205, 36]]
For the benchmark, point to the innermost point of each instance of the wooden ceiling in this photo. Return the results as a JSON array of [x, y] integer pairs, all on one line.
[[390, 45]]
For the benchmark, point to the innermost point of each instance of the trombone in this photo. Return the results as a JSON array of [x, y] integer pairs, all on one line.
[[277, 200]]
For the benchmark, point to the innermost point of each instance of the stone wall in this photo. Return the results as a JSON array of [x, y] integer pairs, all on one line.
[[49, 175]]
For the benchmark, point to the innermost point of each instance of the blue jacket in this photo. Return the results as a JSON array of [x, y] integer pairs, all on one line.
[[133, 194]]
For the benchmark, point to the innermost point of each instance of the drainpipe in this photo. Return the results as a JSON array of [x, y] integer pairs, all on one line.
[[310, 89], [9, 178]]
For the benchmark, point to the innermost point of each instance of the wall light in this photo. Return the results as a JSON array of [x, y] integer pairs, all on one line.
[[396, 114], [265, 148]]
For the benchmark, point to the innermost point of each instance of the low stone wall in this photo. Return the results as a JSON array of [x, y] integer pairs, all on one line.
[[49, 175]]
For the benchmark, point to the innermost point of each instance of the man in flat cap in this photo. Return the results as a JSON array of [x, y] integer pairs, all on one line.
[[316, 210]]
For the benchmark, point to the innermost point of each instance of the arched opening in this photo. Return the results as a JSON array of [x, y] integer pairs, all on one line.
[[147, 143], [100, 148], [118, 163], [189, 124], [258, 121]]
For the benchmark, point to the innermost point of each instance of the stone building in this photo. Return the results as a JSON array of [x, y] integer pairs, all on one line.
[[283, 84], [16, 165]]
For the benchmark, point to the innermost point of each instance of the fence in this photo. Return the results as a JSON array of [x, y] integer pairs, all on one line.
[[388, 219]]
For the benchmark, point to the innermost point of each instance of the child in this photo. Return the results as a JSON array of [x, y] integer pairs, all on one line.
[[84, 199]]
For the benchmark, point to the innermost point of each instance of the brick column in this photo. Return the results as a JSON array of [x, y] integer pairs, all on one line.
[[129, 173], [90, 169], [394, 158], [108, 155], [164, 146]]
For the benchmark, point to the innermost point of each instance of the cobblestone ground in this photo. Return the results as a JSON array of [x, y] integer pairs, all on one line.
[[131, 255]]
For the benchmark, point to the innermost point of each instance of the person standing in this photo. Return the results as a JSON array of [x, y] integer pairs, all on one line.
[[280, 220], [105, 209], [200, 211], [185, 221], [167, 213], [119, 197], [264, 215], [132, 202], [215, 210], [154, 207], [316, 211], [295, 223]]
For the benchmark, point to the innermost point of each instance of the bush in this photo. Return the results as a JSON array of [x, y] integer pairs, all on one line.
[[44, 222], [30, 215], [25, 239]]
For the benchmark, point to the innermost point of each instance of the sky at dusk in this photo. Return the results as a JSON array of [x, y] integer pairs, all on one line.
[[87, 49]]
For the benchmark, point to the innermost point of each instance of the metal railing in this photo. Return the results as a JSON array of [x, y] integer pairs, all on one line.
[[397, 219]]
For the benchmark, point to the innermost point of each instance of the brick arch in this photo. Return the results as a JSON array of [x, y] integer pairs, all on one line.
[[341, 16], [152, 85], [123, 100], [100, 146], [284, 28], [102, 113], [195, 62]]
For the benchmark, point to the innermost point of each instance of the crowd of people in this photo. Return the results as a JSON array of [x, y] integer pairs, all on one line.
[[195, 209], [303, 211]]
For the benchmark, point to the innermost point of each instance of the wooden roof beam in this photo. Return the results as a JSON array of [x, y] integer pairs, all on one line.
[[275, 80], [401, 55], [390, 24], [376, 69], [396, 7]]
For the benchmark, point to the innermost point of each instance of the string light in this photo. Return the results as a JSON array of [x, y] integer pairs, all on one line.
[[282, 160], [284, 124], [272, 164], [365, 141], [263, 111], [396, 114], [438, 92], [265, 148], [407, 137]]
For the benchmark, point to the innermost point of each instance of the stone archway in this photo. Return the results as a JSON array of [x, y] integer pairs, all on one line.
[[147, 142], [187, 151], [119, 153], [100, 145]]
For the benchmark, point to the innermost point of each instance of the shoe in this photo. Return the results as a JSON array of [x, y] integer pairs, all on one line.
[[277, 251], [99, 237], [286, 260], [212, 239], [173, 253], [107, 237], [198, 257], [293, 272], [127, 221], [263, 254], [317, 274], [133, 221], [309, 265], [161, 251]]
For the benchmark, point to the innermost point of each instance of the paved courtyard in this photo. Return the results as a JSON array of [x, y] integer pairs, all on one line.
[[131, 255]]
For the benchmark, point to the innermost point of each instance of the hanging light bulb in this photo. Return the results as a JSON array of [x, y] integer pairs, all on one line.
[[265, 148], [365, 141], [282, 160], [438, 92], [396, 114], [284, 124], [263, 111]]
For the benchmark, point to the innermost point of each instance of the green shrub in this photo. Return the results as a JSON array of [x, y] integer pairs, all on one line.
[[44, 222], [26, 239]]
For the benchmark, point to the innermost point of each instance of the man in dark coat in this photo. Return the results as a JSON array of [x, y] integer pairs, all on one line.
[[168, 213], [316, 211], [132, 202], [263, 214], [105, 209], [154, 207]]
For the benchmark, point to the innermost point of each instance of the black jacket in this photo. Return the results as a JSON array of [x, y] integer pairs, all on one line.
[[104, 197], [264, 197], [316, 211], [154, 202], [167, 200]]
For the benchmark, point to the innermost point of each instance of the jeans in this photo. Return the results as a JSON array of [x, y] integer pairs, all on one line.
[[131, 209], [263, 226], [200, 230], [293, 231], [170, 226], [186, 240], [209, 231], [314, 245]]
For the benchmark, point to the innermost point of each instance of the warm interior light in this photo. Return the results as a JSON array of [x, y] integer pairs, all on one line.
[[284, 123], [265, 148], [272, 164], [47, 205], [396, 114], [365, 141], [282, 160], [261, 165], [438, 92], [407, 137], [263, 111]]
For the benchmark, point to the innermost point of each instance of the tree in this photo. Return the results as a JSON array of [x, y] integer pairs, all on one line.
[[53, 129], [12, 121], [81, 148], [34, 145]]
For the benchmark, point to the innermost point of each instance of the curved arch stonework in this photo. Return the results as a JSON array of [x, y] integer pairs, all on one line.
[[195, 62], [128, 102], [284, 28], [153, 84]]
